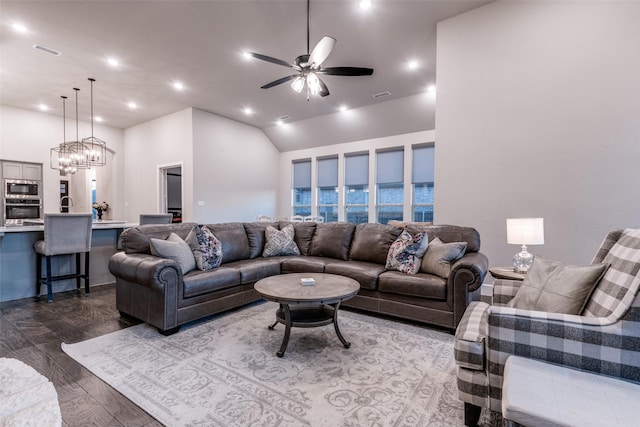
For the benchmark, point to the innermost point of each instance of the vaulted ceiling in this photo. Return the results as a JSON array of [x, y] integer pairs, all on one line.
[[201, 45]]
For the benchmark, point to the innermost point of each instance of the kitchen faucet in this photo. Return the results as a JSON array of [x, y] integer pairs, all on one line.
[[70, 202]]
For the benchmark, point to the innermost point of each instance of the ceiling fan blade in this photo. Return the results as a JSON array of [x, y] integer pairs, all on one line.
[[324, 91], [273, 60], [346, 71], [279, 81], [321, 52]]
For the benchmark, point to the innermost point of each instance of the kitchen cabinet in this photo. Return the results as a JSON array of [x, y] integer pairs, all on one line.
[[16, 170]]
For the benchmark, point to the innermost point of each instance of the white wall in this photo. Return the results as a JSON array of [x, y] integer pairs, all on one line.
[[538, 115], [405, 141], [148, 146], [28, 136], [235, 170]]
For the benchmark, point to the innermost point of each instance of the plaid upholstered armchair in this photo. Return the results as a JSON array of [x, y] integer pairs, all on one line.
[[604, 339]]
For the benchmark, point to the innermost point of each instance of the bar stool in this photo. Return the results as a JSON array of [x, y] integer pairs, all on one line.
[[155, 219], [64, 234]]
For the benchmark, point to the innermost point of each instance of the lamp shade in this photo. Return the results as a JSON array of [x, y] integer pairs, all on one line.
[[525, 231]]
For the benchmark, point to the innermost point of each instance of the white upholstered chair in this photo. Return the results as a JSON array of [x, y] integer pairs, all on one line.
[[155, 219], [64, 234], [265, 218]]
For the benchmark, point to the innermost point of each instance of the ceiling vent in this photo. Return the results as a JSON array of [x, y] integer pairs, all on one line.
[[47, 49], [381, 94]]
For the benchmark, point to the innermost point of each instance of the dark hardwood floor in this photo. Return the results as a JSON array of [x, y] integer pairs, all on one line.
[[32, 331]]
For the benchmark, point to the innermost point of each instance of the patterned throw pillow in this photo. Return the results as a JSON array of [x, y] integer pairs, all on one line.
[[206, 248], [280, 242], [174, 248], [404, 254], [438, 258]]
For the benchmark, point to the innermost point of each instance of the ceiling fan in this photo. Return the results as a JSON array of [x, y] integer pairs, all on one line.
[[308, 67]]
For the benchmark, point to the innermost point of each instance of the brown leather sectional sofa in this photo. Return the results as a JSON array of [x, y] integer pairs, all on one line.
[[154, 289]]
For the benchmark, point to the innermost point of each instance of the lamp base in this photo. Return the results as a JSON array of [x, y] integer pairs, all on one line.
[[522, 261]]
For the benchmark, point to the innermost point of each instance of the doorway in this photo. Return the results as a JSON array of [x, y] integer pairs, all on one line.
[[171, 190]]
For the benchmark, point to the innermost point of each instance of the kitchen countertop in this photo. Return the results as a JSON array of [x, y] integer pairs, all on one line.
[[105, 224]]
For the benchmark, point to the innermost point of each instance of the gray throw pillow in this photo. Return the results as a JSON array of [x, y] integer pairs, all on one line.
[[557, 288], [439, 256], [176, 249], [280, 242]]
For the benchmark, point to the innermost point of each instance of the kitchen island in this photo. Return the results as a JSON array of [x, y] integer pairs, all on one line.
[[18, 259]]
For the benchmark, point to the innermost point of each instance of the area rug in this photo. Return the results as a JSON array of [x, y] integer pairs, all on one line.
[[224, 372]]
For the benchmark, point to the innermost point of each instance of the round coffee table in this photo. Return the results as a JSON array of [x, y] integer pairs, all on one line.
[[307, 306]]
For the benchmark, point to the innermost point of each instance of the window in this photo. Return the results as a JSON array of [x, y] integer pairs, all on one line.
[[422, 206], [356, 188], [328, 189], [302, 188], [390, 186]]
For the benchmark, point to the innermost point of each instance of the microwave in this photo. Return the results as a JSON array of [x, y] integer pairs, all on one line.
[[20, 188]]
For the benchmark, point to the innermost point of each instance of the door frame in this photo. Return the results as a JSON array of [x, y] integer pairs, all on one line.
[[162, 186]]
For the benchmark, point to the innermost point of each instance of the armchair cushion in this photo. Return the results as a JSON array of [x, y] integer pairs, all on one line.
[[554, 287]]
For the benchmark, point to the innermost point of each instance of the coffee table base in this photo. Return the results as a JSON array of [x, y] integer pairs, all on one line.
[[307, 316]]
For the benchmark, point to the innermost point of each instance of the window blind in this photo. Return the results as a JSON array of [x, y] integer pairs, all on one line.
[[302, 174], [389, 168], [423, 158], [356, 169], [328, 172]]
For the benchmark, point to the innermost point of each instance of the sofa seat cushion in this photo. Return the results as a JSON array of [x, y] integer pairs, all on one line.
[[304, 264], [419, 285], [252, 270], [472, 331], [201, 282], [364, 273]]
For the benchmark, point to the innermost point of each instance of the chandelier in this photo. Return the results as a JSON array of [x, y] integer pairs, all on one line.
[[70, 156]]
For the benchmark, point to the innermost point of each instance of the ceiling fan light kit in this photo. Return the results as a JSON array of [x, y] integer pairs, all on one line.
[[308, 67]]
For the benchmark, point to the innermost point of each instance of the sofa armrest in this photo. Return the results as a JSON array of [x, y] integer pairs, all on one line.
[[470, 271], [145, 270], [467, 275]]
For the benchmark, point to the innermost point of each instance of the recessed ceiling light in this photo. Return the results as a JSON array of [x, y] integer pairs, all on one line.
[[431, 88], [178, 85], [248, 111], [98, 119], [364, 4], [132, 105], [413, 64], [279, 122], [343, 108], [20, 28], [113, 62], [247, 55], [43, 107]]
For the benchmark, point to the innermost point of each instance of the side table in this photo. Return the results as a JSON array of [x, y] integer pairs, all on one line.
[[506, 273]]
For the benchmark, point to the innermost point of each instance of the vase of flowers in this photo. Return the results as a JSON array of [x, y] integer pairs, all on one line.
[[100, 209]]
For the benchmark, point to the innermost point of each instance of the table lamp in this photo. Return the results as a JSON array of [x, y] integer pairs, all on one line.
[[524, 231]]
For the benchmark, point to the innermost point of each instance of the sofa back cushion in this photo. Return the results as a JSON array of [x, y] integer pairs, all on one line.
[[449, 233], [255, 236], [303, 234], [136, 240], [371, 242], [235, 244], [332, 240]]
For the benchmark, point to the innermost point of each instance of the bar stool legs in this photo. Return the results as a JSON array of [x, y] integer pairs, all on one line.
[[49, 279]]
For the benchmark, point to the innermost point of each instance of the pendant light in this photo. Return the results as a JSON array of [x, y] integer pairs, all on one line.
[[95, 149], [69, 156]]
